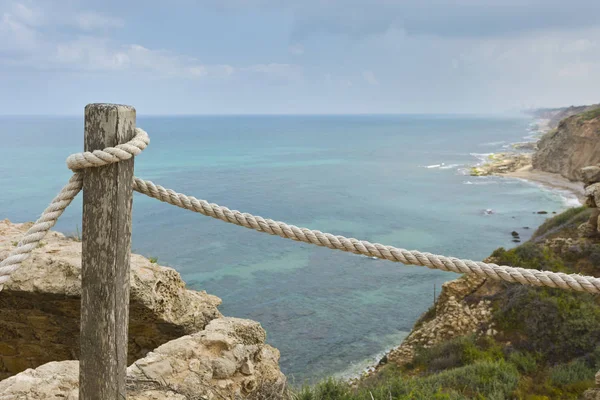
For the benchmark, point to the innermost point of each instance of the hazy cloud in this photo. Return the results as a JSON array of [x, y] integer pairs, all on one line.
[[370, 78]]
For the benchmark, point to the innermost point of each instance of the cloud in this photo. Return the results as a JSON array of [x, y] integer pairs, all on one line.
[[369, 76], [16, 33], [27, 41], [90, 20], [296, 49], [276, 72], [443, 18]]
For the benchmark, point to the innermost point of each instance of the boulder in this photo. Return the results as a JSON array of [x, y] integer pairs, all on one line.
[[40, 305], [228, 360], [592, 194], [590, 175], [587, 230]]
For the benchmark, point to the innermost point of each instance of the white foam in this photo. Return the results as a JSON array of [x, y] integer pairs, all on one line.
[[482, 157], [493, 143], [450, 166], [481, 181], [434, 166]]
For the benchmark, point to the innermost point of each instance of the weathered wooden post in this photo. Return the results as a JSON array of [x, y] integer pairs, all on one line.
[[107, 201]]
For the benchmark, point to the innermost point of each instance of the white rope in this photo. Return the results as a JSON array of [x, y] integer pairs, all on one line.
[[36, 233], [410, 257], [98, 158], [109, 155], [75, 162]]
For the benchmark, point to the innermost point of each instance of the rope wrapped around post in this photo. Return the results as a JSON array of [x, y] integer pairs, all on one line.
[[98, 158], [75, 162]]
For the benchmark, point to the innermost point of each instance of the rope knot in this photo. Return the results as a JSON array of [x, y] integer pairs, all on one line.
[[110, 155]]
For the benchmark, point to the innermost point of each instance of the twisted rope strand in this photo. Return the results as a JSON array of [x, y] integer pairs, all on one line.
[[488, 270], [40, 228], [109, 155], [76, 162]]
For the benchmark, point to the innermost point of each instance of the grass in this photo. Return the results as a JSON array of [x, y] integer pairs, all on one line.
[[457, 352], [483, 380], [591, 114], [153, 260], [563, 375], [575, 214], [76, 236]]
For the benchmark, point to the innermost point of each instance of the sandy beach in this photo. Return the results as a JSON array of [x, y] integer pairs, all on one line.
[[549, 180]]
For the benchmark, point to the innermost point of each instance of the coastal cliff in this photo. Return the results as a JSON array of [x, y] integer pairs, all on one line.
[[574, 144], [487, 339], [532, 343], [180, 346], [555, 115]]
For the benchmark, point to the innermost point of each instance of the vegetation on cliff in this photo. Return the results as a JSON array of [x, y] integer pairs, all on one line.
[[547, 345]]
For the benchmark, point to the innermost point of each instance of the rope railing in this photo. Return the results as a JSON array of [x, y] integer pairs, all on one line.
[[79, 161]]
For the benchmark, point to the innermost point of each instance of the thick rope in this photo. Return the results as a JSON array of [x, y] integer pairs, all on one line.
[[109, 155], [98, 158], [75, 162], [410, 257], [40, 228]]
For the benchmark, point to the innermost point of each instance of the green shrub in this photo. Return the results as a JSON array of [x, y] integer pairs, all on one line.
[[559, 220], [391, 387], [524, 361], [558, 324], [457, 352], [530, 255], [490, 379], [595, 113], [574, 372]]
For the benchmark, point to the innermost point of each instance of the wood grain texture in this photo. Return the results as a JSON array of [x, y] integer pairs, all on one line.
[[106, 236]]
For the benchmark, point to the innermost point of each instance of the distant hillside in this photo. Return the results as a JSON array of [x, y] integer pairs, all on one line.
[[572, 145], [555, 115]]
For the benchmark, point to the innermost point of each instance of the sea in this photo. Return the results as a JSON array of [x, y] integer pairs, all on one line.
[[400, 180]]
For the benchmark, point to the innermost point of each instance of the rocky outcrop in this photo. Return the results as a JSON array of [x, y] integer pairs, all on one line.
[[40, 305], [591, 181], [502, 163], [573, 145], [453, 317], [228, 360]]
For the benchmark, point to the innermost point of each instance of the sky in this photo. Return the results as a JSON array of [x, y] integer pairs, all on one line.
[[298, 57]]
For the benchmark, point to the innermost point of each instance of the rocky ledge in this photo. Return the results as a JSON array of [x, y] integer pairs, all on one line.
[[40, 305], [502, 163], [227, 360], [452, 317], [180, 346]]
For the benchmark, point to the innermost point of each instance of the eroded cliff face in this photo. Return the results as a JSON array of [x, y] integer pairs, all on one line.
[[40, 305], [573, 145], [454, 316], [227, 360]]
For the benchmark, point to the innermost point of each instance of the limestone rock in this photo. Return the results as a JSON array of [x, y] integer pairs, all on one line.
[[40, 305], [187, 368], [569, 148], [590, 174], [592, 194], [453, 318], [587, 230], [591, 394]]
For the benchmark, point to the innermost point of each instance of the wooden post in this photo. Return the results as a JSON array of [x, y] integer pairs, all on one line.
[[106, 236]]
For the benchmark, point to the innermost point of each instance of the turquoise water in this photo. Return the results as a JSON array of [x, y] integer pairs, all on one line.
[[378, 178]]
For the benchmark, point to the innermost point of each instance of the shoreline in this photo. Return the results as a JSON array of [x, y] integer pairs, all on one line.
[[548, 180], [511, 165], [517, 165]]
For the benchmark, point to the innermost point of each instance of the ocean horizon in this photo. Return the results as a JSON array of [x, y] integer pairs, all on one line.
[[400, 180]]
